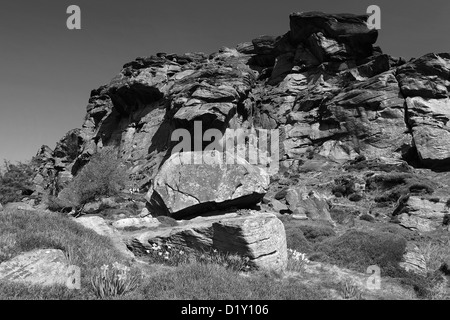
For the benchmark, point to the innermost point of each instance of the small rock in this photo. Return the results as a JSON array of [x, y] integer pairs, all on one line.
[[42, 267], [278, 206], [18, 206], [145, 213], [147, 222], [414, 261]]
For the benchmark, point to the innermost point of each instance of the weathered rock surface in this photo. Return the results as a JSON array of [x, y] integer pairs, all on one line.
[[147, 222], [307, 204], [414, 261], [99, 225], [422, 214], [330, 93], [189, 183], [17, 206], [259, 236], [38, 267]]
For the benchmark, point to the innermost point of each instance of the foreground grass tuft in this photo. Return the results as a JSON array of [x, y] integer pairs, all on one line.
[[31, 230]]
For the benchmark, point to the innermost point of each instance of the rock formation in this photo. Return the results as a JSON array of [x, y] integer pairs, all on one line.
[[258, 236], [331, 94]]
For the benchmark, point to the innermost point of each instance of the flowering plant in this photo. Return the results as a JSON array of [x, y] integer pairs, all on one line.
[[114, 281]]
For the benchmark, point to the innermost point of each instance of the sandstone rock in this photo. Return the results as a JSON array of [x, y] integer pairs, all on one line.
[[184, 188], [277, 206], [145, 213], [147, 222], [329, 91], [99, 225], [17, 206], [45, 267], [309, 204], [426, 76], [421, 214], [414, 261], [346, 28], [259, 236], [92, 207]]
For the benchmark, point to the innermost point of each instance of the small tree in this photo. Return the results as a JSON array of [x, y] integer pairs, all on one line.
[[104, 176], [16, 181]]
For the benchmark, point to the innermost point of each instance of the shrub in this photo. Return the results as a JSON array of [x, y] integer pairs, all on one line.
[[58, 205], [16, 182], [317, 231], [446, 219], [367, 217], [174, 256], [296, 260], [343, 215], [103, 176], [350, 291], [115, 281], [355, 197], [358, 250], [397, 185]]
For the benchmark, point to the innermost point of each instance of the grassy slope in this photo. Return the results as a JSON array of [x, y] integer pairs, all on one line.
[[24, 231]]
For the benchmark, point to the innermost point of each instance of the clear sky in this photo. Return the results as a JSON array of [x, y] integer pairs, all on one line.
[[48, 71]]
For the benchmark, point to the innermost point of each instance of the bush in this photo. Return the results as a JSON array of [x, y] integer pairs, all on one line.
[[343, 215], [114, 281], [367, 217], [397, 185], [16, 182], [358, 250], [58, 205], [317, 231], [446, 219], [103, 176]]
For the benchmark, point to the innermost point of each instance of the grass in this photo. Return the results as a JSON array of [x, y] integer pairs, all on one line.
[[199, 281], [23, 231], [357, 250]]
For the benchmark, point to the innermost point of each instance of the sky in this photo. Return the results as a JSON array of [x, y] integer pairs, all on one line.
[[48, 71]]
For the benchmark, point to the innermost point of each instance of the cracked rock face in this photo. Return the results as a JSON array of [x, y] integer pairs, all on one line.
[[324, 85], [193, 183], [259, 236]]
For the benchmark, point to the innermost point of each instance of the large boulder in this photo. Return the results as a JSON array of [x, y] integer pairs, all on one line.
[[259, 236], [190, 184], [349, 29], [38, 267]]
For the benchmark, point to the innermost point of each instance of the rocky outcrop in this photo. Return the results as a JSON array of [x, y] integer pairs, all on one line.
[[422, 214], [259, 236], [425, 83], [194, 182], [330, 93]]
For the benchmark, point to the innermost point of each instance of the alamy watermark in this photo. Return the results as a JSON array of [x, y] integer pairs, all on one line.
[[257, 146], [374, 20], [74, 20], [374, 280]]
